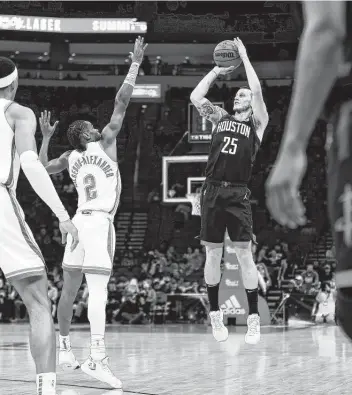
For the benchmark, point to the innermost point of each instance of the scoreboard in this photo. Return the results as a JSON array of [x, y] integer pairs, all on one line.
[[199, 128]]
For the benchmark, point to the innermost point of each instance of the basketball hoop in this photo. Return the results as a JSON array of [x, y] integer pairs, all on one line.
[[194, 199]]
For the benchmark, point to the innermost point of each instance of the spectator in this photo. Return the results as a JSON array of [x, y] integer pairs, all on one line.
[[131, 310], [310, 279], [326, 275], [53, 294]]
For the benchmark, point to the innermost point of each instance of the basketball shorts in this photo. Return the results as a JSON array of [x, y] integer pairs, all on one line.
[[225, 206], [96, 248], [20, 256]]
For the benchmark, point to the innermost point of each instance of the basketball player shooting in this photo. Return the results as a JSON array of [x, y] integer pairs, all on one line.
[[325, 56], [225, 203], [93, 168], [20, 257]]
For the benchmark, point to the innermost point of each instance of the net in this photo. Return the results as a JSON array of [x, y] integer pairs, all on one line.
[[194, 199]]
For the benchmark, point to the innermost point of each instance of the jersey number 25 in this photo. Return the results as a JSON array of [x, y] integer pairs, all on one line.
[[90, 186], [230, 146]]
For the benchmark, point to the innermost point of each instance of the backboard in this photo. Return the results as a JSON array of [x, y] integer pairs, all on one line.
[[182, 175]]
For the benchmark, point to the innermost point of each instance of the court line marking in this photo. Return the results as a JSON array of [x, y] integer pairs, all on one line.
[[79, 386]]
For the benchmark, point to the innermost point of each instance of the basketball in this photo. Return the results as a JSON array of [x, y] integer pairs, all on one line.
[[226, 54]]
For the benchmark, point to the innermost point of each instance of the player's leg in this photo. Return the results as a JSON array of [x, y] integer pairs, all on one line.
[[72, 283], [72, 273], [97, 266], [240, 231], [339, 204], [98, 297], [33, 292], [212, 236], [23, 265]]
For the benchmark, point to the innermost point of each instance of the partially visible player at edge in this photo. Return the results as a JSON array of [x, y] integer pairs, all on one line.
[[94, 170], [225, 200], [20, 257], [325, 57]]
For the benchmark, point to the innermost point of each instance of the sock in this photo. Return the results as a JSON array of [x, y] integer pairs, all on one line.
[[252, 297], [65, 343], [213, 296], [97, 347], [46, 383]]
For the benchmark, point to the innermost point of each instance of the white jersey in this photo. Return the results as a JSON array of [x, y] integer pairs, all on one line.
[[96, 178], [9, 158]]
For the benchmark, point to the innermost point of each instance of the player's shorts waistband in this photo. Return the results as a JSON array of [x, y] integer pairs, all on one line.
[[224, 184], [96, 212]]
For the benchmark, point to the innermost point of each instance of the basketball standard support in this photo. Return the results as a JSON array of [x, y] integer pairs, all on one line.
[[232, 294], [177, 159]]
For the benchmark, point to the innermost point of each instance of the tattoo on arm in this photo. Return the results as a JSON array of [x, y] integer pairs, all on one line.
[[210, 112]]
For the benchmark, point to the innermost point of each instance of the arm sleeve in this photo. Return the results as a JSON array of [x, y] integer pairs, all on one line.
[[42, 184]]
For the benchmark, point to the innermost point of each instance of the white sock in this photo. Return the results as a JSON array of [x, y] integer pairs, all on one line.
[[98, 294], [97, 347], [65, 343], [46, 384]]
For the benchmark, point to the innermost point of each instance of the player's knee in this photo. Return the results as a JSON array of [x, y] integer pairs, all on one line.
[[34, 295], [213, 255], [68, 293], [97, 286], [244, 252]]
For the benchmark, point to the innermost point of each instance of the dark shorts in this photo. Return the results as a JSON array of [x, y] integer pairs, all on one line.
[[339, 177], [225, 207]]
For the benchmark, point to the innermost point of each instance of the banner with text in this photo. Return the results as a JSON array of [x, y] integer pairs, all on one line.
[[72, 25]]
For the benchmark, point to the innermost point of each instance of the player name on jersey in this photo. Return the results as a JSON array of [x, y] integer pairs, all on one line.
[[234, 127], [91, 160]]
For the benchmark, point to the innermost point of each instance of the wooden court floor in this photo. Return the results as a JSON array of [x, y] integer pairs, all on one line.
[[186, 360]]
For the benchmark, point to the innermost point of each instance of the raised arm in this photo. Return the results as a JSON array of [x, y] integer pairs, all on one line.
[[260, 112], [56, 165], [25, 125], [122, 100], [204, 106]]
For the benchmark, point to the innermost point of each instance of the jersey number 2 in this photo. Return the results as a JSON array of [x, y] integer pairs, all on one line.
[[90, 186], [230, 146]]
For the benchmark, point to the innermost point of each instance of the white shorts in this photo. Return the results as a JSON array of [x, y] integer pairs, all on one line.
[[20, 255], [96, 248]]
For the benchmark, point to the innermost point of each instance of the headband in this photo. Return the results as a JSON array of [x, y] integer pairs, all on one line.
[[9, 79]]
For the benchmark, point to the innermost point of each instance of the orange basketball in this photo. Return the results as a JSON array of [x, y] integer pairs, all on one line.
[[226, 54]]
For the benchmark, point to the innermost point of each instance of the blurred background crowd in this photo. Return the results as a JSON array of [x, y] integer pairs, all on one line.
[[159, 260]]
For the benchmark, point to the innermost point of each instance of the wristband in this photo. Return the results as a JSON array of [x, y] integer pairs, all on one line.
[[132, 74]]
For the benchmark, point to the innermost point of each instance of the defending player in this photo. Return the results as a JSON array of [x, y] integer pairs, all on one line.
[[225, 200], [325, 56], [20, 257], [94, 171]]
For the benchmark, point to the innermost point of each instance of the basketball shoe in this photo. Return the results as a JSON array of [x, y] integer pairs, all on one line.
[[253, 331], [101, 371], [220, 331], [67, 360]]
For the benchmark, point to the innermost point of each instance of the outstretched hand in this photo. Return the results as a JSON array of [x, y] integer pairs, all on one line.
[[46, 128], [240, 47], [138, 50]]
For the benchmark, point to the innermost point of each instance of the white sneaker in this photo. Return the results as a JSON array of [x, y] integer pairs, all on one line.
[[100, 370], [67, 360], [253, 332], [220, 331]]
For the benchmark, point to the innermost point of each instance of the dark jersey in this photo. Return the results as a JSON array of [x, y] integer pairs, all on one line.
[[233, 149], [345, 70]]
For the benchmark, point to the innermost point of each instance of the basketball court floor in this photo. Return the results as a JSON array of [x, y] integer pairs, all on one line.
[[186, 360]]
